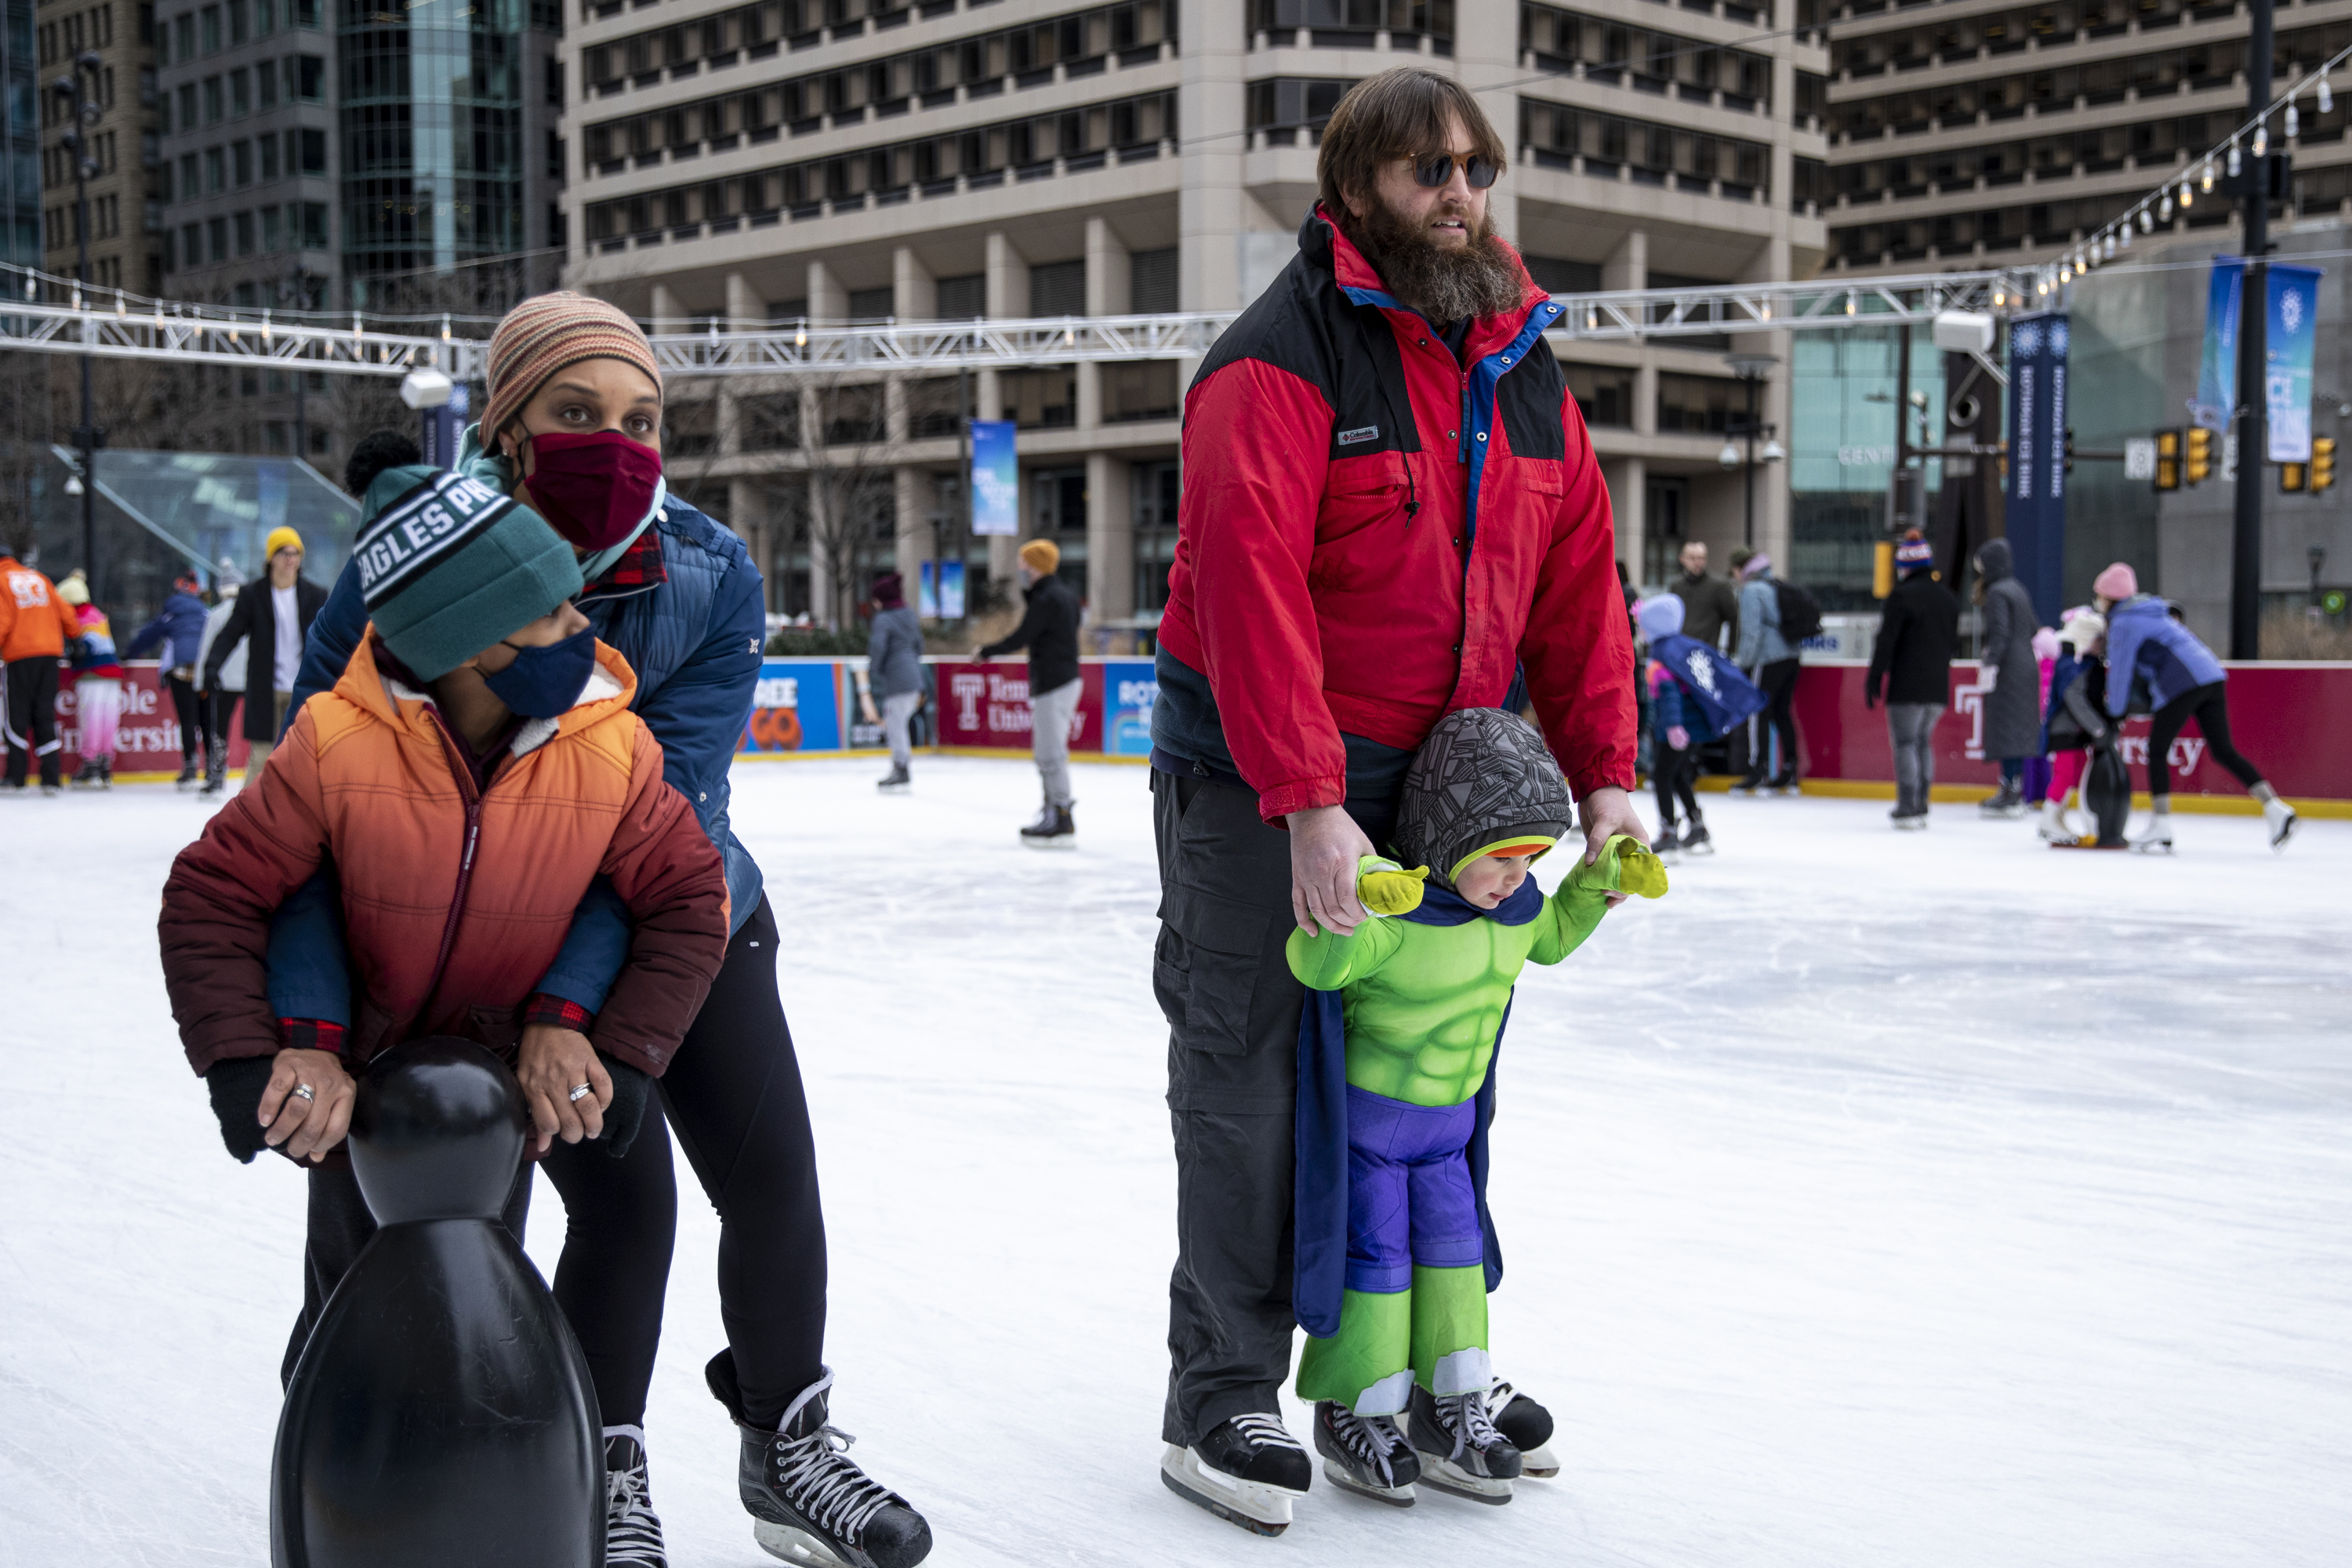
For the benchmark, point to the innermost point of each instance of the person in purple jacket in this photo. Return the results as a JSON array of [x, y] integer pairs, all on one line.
[[2148, 648]]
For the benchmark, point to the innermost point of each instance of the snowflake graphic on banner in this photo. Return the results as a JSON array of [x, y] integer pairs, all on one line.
[[2057, 337], [2026, 341], [2291, 309]]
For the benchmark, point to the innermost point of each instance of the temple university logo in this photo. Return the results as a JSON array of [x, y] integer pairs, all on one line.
[[2187, 750], [1969, 700], [968, 690]]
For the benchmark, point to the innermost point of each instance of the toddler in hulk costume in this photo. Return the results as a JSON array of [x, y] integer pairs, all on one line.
[[1395, 1252]]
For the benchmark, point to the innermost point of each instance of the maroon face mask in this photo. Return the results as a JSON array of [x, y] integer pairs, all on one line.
[[592, 488]]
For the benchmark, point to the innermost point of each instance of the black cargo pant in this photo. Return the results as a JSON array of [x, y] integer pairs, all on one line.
[[32, 712], [1232, 1009]]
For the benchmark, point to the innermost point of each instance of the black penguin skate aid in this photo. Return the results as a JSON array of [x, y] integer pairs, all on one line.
[[442, 1412]]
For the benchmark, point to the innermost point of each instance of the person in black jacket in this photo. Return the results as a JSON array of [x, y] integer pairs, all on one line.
[[1918, 633], [1050, 632], [272, 618]]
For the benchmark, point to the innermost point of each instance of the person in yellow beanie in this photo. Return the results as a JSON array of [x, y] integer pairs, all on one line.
[[1049, 630], [272, 618]]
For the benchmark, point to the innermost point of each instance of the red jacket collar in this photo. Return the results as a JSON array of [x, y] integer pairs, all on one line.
[[1325, 245]]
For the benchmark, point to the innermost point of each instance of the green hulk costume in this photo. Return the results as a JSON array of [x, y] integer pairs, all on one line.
[[1424, 998]]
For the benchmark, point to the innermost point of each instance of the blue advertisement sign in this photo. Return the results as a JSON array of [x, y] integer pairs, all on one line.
[[1128, 692], [2288, 343], [995, 479], [2217, 371], [940, 594], [795, 707], [2035, 499]]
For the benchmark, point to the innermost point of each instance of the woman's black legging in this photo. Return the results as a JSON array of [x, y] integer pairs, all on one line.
[[2209, 706], [1673, 771]]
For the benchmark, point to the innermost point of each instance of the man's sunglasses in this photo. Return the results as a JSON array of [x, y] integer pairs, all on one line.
[[1432, 171]]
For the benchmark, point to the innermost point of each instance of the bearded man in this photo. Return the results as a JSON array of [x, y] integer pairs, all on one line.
[[1390, 505]]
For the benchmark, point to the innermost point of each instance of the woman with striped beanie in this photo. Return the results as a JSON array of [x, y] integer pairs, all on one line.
[[572, 426]]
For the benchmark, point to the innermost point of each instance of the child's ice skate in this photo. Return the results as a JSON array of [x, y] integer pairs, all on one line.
[[1698, 840], [1367, 1455], [1462, 1452], [1245, 1471], [1667, 847], [1527, 1425], [2056, 826]]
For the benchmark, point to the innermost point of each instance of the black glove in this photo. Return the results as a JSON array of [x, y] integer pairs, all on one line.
[[631, 1089], [236, 1087]]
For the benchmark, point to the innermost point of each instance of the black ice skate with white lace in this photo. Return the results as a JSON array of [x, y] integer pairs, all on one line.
[[633, 1532], [812, 1504], [1527, 1427], [1245, 1470], [1367, 1455], [1461, 1450]]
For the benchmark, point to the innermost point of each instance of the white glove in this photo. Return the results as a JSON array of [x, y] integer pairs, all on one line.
[[1988, 677]]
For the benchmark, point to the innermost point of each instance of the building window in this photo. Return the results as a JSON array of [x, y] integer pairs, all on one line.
[[1696, 402], [273, 238], [872, 304], [190, 181], [240, 93], [1145, 390], [1151, 283], [215, 171], [270, 162], [265, 18], [212, 20], [311, 79], [1604, 393], [183, 38], [213, 104], [1058, 289], [314, 152], [192, 245], [217, 229], [1045, 398], [241, 162], [266, 83], [245, 234], [964, 297], [314, 226], [188, 106], [305, 13], [236, 33]]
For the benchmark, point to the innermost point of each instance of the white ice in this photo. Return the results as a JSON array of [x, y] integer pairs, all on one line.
[[1874, 1199]]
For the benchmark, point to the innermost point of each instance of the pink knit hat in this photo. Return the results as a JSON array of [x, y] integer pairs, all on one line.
[[2116, 584]]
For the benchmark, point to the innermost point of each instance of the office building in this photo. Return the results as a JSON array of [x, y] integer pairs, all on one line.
[[738, 166], [20, 176], [109, 49]]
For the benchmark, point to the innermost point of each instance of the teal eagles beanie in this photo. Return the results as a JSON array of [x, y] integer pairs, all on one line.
[[449, 566]]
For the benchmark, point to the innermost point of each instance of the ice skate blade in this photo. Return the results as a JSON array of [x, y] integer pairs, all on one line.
[[1257, 1508], [895, 789], [1448, 1476], [789, 1544], [1395, 1496], [2153, 846], [1066, 841], [1540, 1462]]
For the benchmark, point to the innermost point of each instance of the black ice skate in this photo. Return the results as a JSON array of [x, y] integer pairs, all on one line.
[[1245, 1471], [813, 1505], [1667, 847], [1462, 1452], [633, 1532], [1052, 830], [1698, 840], [187, 780], [1527, 1424], [1367, 1455], [897, 779]]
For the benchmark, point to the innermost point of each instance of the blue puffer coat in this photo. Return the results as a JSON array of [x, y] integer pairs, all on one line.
[[2145, 643], [179, 625], [695, 643]]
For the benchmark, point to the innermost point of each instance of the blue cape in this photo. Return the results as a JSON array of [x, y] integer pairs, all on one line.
[[1709, 679], [1319, 1184]]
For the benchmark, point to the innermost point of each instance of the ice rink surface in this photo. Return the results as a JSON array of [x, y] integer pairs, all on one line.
[[1871, 1200]]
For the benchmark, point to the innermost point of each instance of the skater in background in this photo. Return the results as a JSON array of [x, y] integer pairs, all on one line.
[[2149, 649], [893, 672], [2046, 649], [1049, 630], [1695, 696], [1771, 662], [1710, 604], [219, 704], [2076, 710], [1395, 1253], [270, 621], [1327, 606], [35, 626], [1911, 666], [97, 686], [179, 628], [2006, 678], [573, 427]]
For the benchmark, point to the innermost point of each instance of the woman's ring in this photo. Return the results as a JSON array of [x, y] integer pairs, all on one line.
[[304, 1091], [581, 1092]]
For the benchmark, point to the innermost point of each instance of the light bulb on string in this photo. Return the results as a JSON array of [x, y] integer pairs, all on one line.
[[2188, 195], [2234, 160], [2125, 239], [2110, 255], [2294, 125], [2147, 222], [2326, 98], [2261, 138], [2164, 207], [2205, 177]]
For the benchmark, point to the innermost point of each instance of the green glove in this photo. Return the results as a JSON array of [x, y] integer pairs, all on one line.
[[1386, 887], [1626, 866]]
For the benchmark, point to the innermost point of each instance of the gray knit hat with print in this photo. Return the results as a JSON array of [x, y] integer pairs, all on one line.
[[1482, 778]]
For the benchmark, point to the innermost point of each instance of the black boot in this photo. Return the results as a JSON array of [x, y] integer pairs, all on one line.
[[813, 1503], [187, 779], [895, 779], [1052, 830]]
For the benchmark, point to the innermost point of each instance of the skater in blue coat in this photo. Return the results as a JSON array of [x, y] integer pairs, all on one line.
[[1696, 695], [179, 628]]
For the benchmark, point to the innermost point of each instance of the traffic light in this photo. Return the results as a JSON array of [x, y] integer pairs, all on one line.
[[2167, 460], [2201, 454], [2323, 463], [2293, 477]]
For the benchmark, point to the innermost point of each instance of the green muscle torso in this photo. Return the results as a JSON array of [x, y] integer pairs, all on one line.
[[1424, 1002]]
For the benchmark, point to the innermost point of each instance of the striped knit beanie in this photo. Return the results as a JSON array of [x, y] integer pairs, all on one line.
[[543, 335], [1914, 555], [448, 566]]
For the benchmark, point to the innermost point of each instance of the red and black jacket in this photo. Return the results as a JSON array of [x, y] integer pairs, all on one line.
[[1374, 533]]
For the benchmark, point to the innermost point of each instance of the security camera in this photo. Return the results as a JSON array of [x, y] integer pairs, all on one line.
[[426, 387]]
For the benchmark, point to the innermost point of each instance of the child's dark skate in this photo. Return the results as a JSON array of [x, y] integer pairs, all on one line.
[[1527, 1424], [1461, 1450], [1245, 1471], [1367, 1455]]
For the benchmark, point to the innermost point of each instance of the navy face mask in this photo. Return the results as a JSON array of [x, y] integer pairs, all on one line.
[[544, 682]]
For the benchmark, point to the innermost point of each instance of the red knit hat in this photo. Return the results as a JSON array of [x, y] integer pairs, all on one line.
[[548, 331]]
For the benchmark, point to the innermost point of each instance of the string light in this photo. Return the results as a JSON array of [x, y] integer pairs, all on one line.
[[2292, 125], [2205, 177], [2326, 98], [2164, 207], [2234, 160], [2187, 196], [2261, 138]]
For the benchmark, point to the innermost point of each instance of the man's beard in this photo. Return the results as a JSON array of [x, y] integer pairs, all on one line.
[[1482, 278]]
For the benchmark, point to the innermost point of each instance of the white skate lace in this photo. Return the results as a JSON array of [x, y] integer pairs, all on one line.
[[1266, 1432], [1371, 1439], [1465, 1415], [1499, 1397], [827, 1489], [632, 1536]]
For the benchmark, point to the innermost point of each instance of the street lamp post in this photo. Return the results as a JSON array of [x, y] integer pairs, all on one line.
[[82, 110], [1752, 370]]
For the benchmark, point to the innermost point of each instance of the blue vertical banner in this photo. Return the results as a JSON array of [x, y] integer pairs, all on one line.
[[2288, 343], [941, 596], [995, 479], [2034, 501], [2217, 371]]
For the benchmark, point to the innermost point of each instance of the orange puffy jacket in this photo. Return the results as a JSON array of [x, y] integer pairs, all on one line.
[[455, 900], [34, 622]]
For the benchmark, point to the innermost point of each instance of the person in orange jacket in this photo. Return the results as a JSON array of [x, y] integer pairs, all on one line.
[[35, 626]]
